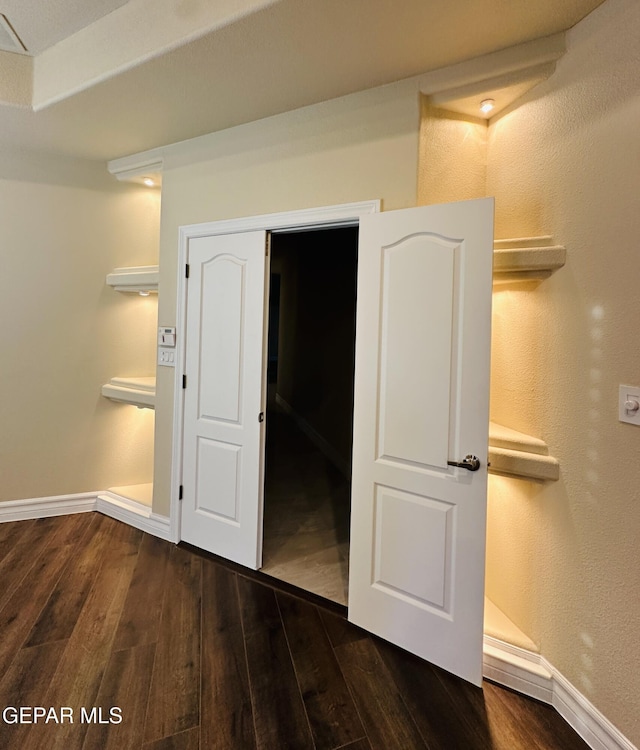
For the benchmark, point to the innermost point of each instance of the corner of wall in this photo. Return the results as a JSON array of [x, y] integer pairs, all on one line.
[[452, 161]]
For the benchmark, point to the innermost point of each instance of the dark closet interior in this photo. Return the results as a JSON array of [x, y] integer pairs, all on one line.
[[309, 428]]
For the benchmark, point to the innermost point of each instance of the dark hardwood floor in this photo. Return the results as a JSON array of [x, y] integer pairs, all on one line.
[[196, 654]]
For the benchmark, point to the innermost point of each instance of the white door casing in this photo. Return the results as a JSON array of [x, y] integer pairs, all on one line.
[[222, 448], [417, 545]]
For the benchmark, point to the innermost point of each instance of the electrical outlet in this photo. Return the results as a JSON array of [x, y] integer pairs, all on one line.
[[629, 404]]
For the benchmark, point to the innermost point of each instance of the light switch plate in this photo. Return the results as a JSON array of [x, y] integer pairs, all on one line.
[[166, 357], [629, 393], [166, 336]]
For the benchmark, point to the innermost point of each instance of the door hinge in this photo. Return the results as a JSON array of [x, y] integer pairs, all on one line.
[[186, 271], [180, 492], [184, 381], [261, 417]]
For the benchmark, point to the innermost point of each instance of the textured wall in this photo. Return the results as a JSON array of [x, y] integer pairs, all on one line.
[[65, 333], [563, 558], [453, 155]]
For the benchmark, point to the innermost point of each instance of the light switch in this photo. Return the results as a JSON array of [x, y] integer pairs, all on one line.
[[166, 336], [166, 357], [629, 404]]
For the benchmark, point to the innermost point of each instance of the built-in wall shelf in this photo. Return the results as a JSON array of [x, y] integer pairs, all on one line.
[[516, 454], [144, 171], [529, 259], [140, 279], [140, 392]]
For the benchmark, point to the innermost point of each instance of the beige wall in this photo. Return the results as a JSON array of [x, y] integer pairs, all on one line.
[[64, 333], [563, 558], [360, 147], [453, 156]]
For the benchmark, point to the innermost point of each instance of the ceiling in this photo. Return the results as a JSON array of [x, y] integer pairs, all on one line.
[[111, 78], [42, 23]]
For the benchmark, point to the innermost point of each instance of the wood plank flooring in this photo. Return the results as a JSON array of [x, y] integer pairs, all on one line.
[[201, 655]]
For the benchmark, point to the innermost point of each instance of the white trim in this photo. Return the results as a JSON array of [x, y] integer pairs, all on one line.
[[108, 503], [134, 514], [531, 674], [44, 507], [306, 218], [517, 668], [326, 216], [594, 728]]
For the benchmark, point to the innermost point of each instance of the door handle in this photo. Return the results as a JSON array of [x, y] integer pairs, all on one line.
[[472, 463]]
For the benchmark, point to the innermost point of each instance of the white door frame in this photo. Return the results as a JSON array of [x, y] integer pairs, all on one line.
[[347, 214]]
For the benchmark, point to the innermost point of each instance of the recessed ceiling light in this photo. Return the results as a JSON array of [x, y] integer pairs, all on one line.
[[487, 105], [148, 182]]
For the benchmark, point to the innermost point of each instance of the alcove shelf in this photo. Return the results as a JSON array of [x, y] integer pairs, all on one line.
[[516, 454], [530, 259], [140, 279], [140, 392]]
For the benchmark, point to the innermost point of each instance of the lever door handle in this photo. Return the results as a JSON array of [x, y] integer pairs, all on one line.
[[472, 463]]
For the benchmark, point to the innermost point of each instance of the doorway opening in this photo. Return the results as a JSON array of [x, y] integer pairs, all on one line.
[[309, 425]]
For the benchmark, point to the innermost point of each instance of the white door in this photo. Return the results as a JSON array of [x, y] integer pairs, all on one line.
[[421, 400], [222, 453]]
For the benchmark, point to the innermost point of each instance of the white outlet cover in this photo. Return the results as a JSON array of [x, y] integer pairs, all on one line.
[[628, 393]]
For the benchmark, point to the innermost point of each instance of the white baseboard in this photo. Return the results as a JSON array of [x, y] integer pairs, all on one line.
[[531, 674], [594, 728], [517, 668], [135, 514], [44, 507], [121, 508], [316, 438]]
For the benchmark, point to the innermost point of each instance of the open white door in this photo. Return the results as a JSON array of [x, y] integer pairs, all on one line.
[[421, 400], [222, 480]]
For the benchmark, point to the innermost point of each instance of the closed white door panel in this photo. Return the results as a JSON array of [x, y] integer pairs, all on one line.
[[222, 488]]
